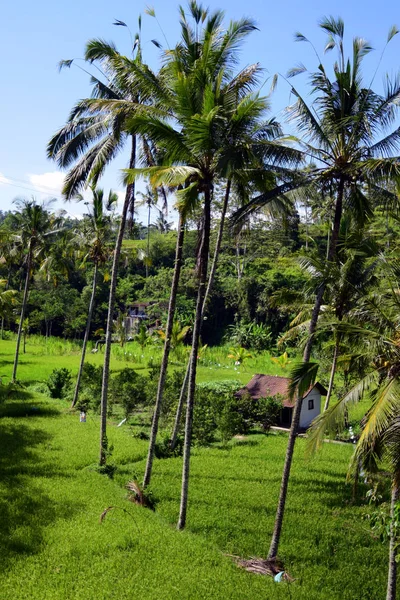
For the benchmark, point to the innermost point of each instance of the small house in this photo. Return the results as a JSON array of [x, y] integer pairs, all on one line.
[[262, 386]]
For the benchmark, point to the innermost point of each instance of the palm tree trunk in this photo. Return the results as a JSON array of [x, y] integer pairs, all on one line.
[[179, 410], [148, 243], [354, 492], [203, 264], [392, 573], [86, 336], [167, 348], [128, 204], [218, 243], [22, 316], [280, 511], [211, 276], [333, 372]]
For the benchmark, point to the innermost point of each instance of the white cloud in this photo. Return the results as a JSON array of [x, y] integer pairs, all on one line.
[[50, 183], [4, 179]]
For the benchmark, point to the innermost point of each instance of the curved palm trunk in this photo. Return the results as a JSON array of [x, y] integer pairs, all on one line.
[[148, 243], [128, 205], [179, 410], [392, 572], [280, 511], [203, 264], [167, 348], [333, 372], [211, 276], [86, 337], [22, 316]]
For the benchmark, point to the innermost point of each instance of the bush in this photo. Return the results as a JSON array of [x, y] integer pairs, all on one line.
[[128, 389], [172, 390], [59, 383], [264, 412], [216, 411], [91, 381], [250, 335], [163, 448]]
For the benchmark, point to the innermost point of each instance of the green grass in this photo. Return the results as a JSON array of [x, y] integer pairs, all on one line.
[[52, 545], [42, 356]]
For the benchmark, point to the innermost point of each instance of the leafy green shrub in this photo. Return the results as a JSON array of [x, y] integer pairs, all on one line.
[[128, 389], [59, 383], [90, 389], [216, 411], [163, 448], [39, 388], [172, 390], [264, 411], [250, 335], [141, 435]]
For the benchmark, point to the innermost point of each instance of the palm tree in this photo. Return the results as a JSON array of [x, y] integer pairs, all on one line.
[[95, 133], [94, 237], [376, 327], [161, 224], [205, 104], [35, 224], [340, 135], [350, 276]]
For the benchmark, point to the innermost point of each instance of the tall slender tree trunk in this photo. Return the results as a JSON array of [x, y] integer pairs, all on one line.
[[128, 205], [166, 352], [86, 336], [211, 276], [203, 264], [179, 410], [333, 372], [392, 572], [280, 511], [23, 310], [217, 243], [148, 243]]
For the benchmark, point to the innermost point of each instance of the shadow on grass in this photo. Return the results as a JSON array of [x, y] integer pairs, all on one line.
[[27, 407], [25, 509]]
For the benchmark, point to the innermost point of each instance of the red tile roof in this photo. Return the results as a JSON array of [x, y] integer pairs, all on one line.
[[261, 386]]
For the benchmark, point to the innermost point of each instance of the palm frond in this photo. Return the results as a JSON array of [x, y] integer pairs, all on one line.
[[302, 377]]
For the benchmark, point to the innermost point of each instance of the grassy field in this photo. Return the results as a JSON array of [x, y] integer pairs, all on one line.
[[43, 356], [52, 545]]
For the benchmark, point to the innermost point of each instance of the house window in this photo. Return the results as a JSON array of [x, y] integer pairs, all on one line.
[[311, 404]]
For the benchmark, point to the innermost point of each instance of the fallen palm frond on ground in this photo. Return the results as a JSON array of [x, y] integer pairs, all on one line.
[[138, 496], [261, 566]]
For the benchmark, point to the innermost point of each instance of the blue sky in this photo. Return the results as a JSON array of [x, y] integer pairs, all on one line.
[[35, 99]]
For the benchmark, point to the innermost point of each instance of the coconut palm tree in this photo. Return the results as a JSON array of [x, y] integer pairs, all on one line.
[[95, 133], [34, 225], [340, 134], [204, 100], [161, 223], [376, 326], [94, 238]]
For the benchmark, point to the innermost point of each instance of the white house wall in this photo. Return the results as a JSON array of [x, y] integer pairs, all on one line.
[[306, 415]]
